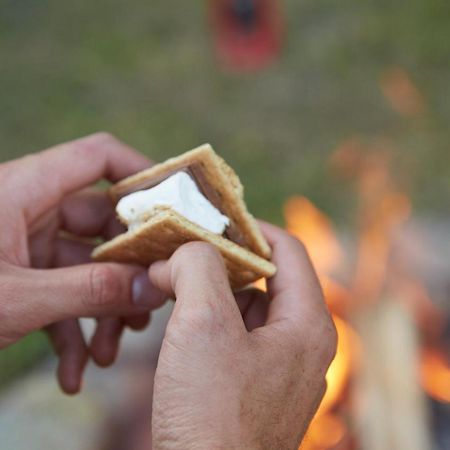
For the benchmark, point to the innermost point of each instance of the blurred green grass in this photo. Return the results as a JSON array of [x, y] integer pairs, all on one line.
[[146, 72], [20, 357]]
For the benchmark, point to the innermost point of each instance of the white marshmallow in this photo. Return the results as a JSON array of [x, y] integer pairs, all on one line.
[[180, 193]]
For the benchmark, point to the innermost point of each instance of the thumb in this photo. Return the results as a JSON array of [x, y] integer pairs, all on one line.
[[197, 277], [41, 297]]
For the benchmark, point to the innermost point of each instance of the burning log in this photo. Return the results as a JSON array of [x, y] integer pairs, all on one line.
[[392, 408]]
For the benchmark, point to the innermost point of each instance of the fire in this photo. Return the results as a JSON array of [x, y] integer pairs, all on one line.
[[261, 284], [325, 431], [336, 295], [383, 210], [339, 372], [315, 230], [435, 375], [384, 215]]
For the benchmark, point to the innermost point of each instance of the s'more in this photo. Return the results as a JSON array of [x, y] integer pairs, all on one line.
[[196, 196]]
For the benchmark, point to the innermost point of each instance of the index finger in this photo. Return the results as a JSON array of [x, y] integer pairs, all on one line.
[[295, 288], [44, 179]]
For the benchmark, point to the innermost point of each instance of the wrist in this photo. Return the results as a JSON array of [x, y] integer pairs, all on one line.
[[201, 444], [190, 439]]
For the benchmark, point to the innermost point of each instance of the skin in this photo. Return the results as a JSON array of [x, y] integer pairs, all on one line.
[[244, 371], [239, 370], [50, 215]]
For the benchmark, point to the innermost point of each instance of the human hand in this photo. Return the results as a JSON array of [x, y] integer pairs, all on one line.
[[49, 222], [243, 372]]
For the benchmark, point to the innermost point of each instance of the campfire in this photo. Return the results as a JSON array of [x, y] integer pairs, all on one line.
[[391, 364]]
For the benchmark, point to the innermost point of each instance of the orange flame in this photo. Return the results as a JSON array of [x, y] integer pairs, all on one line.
[[339, 372], [315, 230], [374, 247], [261, 284], [325, 431], [336, 295], [383, 208], [313, 227], [435, 374]]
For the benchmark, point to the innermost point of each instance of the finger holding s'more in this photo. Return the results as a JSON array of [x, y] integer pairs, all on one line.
[[196, 196]]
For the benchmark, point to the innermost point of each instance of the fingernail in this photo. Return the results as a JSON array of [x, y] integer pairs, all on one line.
[[145, 294]]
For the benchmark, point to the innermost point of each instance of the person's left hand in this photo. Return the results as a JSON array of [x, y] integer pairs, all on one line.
[[50, 220]]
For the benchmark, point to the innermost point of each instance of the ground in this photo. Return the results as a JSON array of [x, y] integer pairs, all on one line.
[[146, 71]]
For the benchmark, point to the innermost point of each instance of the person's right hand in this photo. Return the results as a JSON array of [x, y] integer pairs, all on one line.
[[244, 372]]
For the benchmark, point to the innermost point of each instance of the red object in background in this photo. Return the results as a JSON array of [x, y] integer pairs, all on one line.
[[248, 33]]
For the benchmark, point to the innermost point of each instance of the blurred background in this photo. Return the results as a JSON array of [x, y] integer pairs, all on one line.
[[336, 117]]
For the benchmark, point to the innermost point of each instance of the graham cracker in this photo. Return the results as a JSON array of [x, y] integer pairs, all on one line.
[[165, 231]]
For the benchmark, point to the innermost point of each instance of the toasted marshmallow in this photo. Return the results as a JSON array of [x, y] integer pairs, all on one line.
[[178, 192]]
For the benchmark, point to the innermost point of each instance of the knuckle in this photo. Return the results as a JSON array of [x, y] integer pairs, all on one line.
[[292, 238], [317, 339], [296, 243], [294, 336], [105, 287], [326, 341], [332, 340], [93, 142]]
